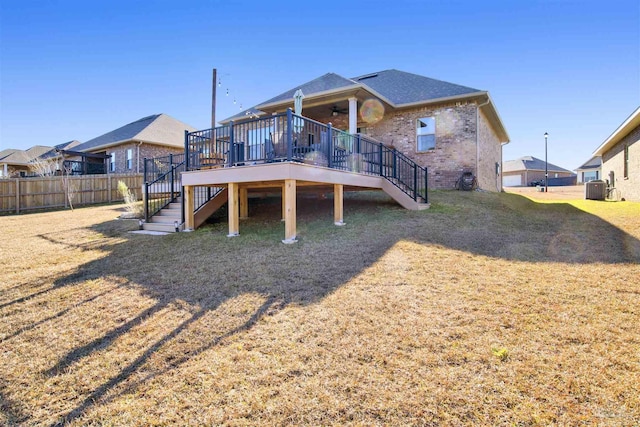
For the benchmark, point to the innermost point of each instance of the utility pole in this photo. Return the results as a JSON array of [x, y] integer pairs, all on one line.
[[214, 83]]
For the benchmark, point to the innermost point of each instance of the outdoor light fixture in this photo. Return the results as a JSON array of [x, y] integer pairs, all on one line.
[[140, 223], [546, 165], [334, 113], [175, 224]]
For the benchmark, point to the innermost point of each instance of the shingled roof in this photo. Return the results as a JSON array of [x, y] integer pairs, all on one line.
[[326, 83], [398, 88], [159, 129], [593, 163], [530, 163], [401, 87]]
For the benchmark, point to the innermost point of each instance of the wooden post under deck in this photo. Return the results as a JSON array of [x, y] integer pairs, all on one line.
[[290, 211], [234, 220], [338, 204], [284, 208], [189, 216], [244, 202]]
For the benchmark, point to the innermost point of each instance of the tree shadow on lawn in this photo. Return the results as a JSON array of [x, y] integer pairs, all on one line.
[[206, 270]]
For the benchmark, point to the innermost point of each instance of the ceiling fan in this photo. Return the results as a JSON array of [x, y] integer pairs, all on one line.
[[335, 111]]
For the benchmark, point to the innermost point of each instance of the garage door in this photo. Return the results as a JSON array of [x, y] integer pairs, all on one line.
[[512, 180]]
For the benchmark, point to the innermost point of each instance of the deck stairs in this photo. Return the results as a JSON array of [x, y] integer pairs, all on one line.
[[166, 219], [171, 215]]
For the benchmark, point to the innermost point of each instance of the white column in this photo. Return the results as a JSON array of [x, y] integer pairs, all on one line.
[[5, 171], [353, 115]]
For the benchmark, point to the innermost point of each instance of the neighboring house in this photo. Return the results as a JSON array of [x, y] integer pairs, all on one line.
[[591, 170], [528, 169], [123, 150], [447, 128], [621, 157], [16, 163], [20, 163]]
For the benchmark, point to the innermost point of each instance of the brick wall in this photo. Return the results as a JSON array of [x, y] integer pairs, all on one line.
[[146, 151], [613, 160], [455, 150], [490, 153]]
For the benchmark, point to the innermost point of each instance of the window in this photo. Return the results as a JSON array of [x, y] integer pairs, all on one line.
[[426, 134], [112, 162], [589, 176], [626, 162], [129, 158]]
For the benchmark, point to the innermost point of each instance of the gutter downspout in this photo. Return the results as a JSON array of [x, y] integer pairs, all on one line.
[[138, 158], [478, 106]]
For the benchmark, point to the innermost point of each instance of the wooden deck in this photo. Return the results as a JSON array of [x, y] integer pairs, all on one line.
[[287, 177]]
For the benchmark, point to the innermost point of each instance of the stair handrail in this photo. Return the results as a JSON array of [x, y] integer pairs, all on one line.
[[173, 173]]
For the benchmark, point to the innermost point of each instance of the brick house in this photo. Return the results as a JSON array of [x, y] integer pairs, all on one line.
[[621, 157], [19, 163], [447, 128], [528, 169], [124, 149]]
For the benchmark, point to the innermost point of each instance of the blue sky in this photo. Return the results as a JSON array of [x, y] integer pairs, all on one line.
[[77, 69]]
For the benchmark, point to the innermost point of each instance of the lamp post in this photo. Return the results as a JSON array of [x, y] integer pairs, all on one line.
[[546, 165]]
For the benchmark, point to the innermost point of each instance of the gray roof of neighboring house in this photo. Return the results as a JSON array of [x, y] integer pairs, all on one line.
[[158, 128], [530, 163], [593, 163], [23, 157], [7, 151], [37, 151], [397, 87], [16, 157]]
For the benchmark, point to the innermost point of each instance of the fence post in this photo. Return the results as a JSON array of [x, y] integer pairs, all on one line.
[[109, 188], [289, 136], [380, 159], [186, 155], [17, 195], [330, 145], [357, 147]]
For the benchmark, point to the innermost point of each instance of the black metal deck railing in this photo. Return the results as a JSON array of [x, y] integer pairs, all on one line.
[[281, 137], [163, 185], [161, 182], [289, 137]]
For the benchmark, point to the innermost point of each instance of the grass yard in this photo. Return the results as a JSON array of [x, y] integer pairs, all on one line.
[[487, 309]]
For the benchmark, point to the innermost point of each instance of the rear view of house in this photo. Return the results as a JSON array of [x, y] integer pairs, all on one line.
[[444, 127]]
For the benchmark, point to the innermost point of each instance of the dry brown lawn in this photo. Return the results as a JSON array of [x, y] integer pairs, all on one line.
[[488, 309]]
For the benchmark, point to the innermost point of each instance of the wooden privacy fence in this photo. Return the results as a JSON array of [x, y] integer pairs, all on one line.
[[23, 194]]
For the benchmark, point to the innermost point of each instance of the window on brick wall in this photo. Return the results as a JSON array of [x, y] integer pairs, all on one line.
[[129, 158], [626, 161], [426, 134], [112, 162]]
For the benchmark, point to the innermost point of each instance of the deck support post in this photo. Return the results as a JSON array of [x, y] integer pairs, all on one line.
[[234, 220], [338, 204], [244, 202], [284, 205], [290, 211], [189, 207]]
